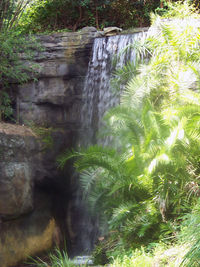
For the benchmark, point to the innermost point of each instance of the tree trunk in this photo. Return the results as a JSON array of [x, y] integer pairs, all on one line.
[[79, 19], [96, 15]]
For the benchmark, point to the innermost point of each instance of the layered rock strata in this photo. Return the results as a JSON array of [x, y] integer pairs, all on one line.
[[55, 98]]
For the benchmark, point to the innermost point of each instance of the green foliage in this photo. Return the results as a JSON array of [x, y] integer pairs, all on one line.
[[57, 258], [60, 14], [143, 183], [12, 46], [124, 74], [54, 15], [177, 9], [51, 15], [43, 15], [158, 255], [148, 177], [140, 259], [45, 134], [15, 49], [5, 106], [10, 12], [190, 234]]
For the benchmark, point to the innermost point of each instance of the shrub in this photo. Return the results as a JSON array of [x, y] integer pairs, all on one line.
[[190, 235], [51, 15], [13, 45]]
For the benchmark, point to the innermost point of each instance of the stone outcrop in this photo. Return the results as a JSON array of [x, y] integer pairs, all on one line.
[[18, 153]]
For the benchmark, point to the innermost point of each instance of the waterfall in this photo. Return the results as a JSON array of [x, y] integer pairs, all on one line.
[[98, 97], [97, 94]]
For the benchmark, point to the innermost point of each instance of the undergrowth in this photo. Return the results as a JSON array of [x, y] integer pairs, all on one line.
[[161, 256]]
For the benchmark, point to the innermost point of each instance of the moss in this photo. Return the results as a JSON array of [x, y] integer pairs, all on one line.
[[44, 134]]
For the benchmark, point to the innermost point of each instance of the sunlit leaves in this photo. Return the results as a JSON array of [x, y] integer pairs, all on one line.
[[143, 180]]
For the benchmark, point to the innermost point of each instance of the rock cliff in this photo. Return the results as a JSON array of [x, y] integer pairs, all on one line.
[[55, 99], [34, 195]]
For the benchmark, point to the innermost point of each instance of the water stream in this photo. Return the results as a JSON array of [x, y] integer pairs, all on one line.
[[97, 94], [98, 97]]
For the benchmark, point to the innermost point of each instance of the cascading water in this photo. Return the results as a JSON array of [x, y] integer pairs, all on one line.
[[97, 99], [97, 94]]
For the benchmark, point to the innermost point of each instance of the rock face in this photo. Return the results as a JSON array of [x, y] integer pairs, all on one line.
[[26, 222], [27, 235], [18, 148], [55, 99], [34, 194]]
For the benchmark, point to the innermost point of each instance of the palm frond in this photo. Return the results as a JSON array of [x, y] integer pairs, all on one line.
[[67, 155]]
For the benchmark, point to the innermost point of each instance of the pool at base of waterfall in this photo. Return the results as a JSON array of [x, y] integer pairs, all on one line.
[[81, 260]]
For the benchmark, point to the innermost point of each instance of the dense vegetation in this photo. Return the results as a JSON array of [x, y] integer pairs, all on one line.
[[13, 46], [147, 180], [65, 14], [48, 15]]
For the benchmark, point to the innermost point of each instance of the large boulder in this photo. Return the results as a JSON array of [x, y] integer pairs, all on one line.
[[27, 235], [19, 149]]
